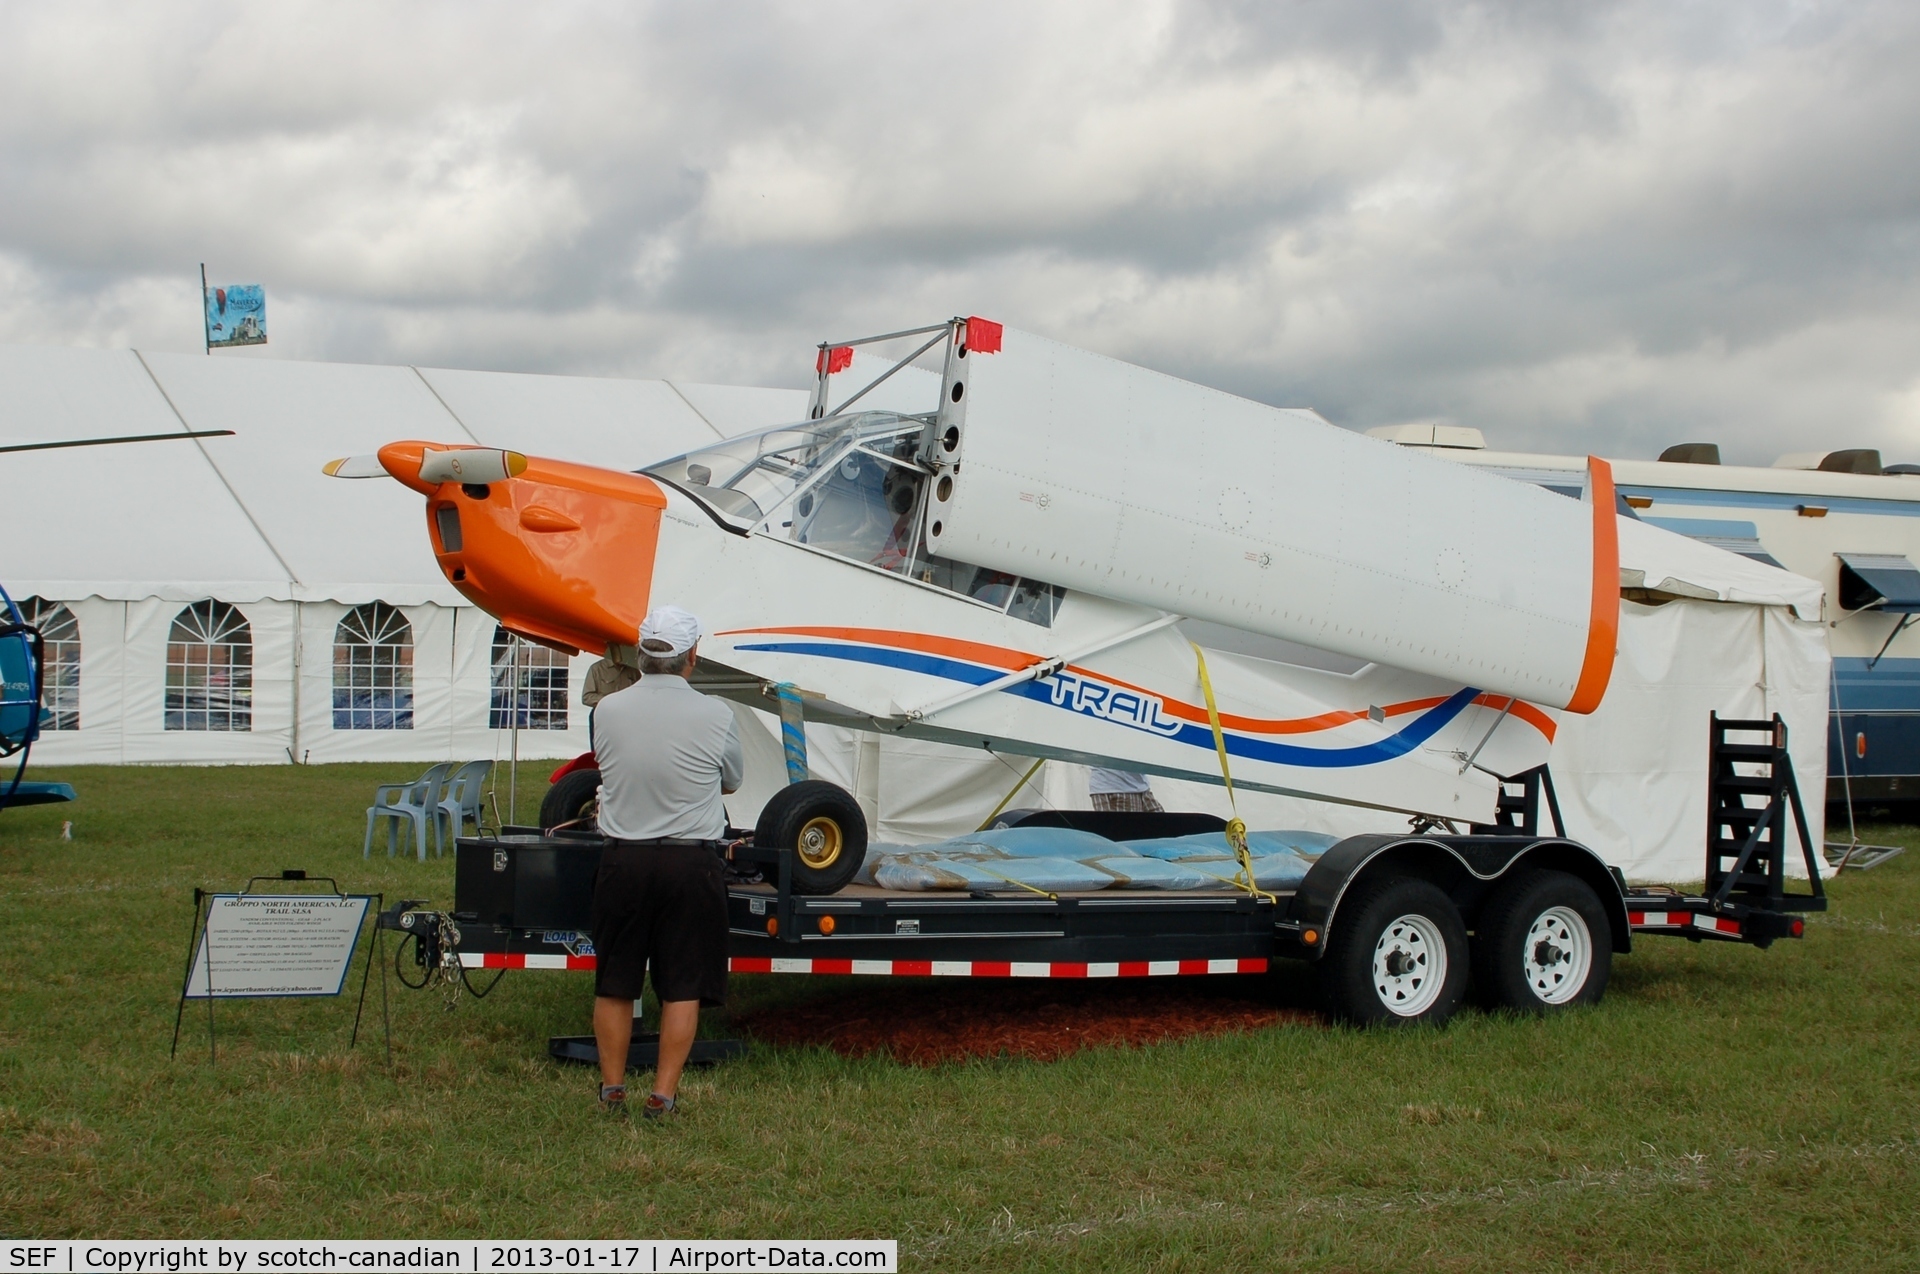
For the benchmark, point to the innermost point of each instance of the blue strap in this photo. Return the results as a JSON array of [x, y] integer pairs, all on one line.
[[793, 731]]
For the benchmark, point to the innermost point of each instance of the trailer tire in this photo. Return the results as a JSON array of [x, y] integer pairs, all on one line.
[[1397, 955], [1543, 944], [575, 796], [823, 825]]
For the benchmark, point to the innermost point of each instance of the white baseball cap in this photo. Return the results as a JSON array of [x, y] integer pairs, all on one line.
[[669, 624]]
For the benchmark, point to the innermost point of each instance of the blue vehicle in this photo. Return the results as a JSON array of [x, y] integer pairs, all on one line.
[[21, 707]]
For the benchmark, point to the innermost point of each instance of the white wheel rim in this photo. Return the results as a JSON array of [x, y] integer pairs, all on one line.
[[1557, 955], [1409, 965]]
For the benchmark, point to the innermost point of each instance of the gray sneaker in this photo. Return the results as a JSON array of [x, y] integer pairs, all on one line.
[[613, 1099], [657, 1107]]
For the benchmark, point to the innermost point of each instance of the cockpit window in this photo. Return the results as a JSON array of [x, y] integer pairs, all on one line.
[[867, 508], [851, 486], [750, 477]]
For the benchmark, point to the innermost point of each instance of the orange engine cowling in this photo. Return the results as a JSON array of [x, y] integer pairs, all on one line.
[[561, 553]]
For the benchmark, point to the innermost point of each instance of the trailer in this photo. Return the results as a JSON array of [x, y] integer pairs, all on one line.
[[1401, 929]]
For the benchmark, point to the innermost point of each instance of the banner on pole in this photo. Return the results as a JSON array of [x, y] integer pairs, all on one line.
[[236, 315]]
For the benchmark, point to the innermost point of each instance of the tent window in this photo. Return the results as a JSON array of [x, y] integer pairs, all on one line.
[[210, 669], [60, 673], [373, 670], [529, 685]]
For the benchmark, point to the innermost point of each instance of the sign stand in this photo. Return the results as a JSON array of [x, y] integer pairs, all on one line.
[[259, 945]]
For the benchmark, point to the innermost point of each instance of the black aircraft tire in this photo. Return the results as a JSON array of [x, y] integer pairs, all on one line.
[[823, 824], [1543, 944], [1397, 955], [575, 796]]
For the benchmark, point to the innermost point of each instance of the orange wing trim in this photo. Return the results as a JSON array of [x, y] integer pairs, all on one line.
[[1603, 626]]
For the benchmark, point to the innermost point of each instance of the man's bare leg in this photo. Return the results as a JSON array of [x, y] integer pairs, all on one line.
[[612, 1033], [679, 1020]]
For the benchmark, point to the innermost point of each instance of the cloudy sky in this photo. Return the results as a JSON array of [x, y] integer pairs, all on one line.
[[1579, 226]]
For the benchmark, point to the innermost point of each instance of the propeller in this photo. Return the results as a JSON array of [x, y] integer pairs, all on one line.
[[468, 465]]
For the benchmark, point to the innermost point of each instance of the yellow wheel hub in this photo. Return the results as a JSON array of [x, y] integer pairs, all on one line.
[[820, 842]]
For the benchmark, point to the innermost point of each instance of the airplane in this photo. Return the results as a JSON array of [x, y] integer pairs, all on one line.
[[1019, 566]]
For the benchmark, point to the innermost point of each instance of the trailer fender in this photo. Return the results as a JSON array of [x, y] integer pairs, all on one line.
[[1465, 866], [585, 761]]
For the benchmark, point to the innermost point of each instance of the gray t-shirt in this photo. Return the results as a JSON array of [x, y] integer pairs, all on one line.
[[666, 753]]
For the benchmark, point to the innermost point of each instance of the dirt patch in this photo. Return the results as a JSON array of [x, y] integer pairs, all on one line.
[[926, 1023]]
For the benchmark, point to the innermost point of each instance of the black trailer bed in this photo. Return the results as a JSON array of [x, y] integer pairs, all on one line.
[[525, 902]]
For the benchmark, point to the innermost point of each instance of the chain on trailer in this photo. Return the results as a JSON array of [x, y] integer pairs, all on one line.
[[433, 940]]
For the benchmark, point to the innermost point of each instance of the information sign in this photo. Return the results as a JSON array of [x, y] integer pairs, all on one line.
[[260, 945]]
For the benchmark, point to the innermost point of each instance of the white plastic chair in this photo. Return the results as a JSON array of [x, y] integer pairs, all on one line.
[[416, 802], [462, 801]]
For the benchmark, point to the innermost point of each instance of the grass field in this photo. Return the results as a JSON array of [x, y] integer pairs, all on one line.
[[1725, 1108]]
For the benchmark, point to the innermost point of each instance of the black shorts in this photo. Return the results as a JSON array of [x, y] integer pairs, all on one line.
[[664, 906]]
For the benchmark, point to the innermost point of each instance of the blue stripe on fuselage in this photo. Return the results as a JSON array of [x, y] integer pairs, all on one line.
[[1403, 741]]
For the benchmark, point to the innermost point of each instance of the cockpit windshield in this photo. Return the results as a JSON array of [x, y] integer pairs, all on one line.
[[750, 478], [849, 485]]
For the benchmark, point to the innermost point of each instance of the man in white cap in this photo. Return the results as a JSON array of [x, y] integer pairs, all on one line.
[[667, 753]]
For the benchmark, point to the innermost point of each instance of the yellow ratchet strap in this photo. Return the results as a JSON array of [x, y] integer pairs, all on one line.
[[1012, 792], [1236, 826], [1032, 889]]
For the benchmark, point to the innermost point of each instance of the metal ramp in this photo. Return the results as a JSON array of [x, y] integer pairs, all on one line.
[[1751, 800], [1858, 855]]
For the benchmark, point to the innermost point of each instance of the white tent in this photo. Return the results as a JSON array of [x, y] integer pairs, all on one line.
[[130, 539]]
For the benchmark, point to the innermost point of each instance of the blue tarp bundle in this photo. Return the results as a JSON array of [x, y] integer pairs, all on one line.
[[947, 871], [1214, 845], [1059, 859]]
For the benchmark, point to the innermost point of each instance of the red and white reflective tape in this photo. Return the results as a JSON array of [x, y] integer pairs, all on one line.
[[903, 968], [996, 968], [1682, 920], [524, 960]]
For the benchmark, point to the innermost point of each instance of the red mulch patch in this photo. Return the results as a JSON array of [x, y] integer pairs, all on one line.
[[947, 1020]]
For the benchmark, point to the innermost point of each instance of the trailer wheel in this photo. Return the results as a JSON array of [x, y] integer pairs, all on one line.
[[1397, 955], [824, 827], [575, 796], [1543, 943]]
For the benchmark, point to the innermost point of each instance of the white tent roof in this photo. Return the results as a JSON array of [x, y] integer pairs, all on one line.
[[251, 517], [1665, 562], [152, 519]]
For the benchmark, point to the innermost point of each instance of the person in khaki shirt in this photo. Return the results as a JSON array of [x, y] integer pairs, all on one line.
[[604, 677]]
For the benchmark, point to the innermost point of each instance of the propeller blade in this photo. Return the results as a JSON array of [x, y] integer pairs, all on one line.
[[108, 442], [354, 467], [479, 465]]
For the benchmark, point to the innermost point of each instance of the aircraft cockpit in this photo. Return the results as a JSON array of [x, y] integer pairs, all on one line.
[[852, 486]]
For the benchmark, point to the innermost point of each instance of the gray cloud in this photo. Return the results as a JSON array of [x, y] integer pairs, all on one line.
[[1579, 226]]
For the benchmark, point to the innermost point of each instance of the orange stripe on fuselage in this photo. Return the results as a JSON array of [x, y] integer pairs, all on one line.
[[972, 651], [1603, 623], [1521, 709], [1015, 660]]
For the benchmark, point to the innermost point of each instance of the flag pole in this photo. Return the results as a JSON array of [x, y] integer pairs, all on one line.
[[205, 335]]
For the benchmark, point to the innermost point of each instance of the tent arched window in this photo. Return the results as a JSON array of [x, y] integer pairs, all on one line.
[[373, 669], [529, 685], [210, 669], [60, 673]]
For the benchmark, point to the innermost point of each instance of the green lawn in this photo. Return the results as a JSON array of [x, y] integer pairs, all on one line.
[[1724, 1109]]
